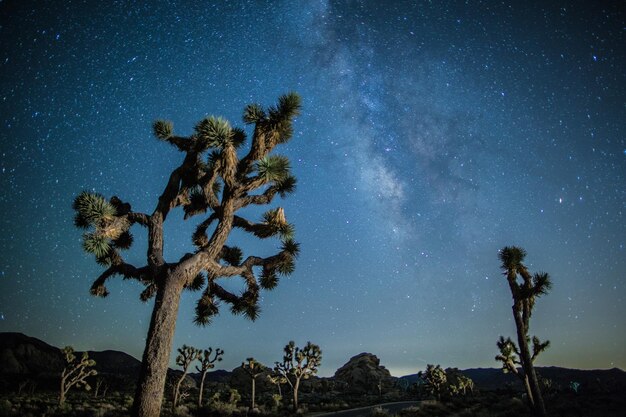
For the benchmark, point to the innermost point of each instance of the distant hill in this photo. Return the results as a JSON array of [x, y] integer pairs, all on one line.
[[21, 354], [23, 357]]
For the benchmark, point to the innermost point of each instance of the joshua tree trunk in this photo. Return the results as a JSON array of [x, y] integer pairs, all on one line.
[[62, 396], [529, 392], [149, 393], [295, 395], [529, 370], [253, 392], [201, 389]]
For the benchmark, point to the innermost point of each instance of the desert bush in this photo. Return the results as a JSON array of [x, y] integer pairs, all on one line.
[[379, 412], [5, 408]]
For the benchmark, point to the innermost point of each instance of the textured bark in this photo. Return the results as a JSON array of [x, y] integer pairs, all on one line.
[[295, 394], [528, 390], [201, 389], [527, 365], [149, 393], [253, 392]]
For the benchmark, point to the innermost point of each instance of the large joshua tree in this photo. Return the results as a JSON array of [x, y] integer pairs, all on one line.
[[524, 293], [298, 363], [214, 181]]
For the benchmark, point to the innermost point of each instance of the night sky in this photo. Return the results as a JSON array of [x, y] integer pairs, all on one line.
[[432, 135]]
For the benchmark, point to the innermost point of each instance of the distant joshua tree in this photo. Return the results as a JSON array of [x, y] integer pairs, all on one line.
[[524, 296], [207, 362], [217, 185], [186, 356], [254, 369], [298, 364], [75, 372], [435, 378], [458, 383], [101, 383], [277, 379]]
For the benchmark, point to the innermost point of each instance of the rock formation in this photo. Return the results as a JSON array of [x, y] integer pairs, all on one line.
[[363, 374]]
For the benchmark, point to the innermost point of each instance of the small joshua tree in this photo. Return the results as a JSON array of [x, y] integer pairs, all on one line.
[[254, 369], [298, 364], [524, 295], [458, 383], [435, 379], [207, 362], [186, 356], [75, 372], [100, 382], [277, 379], [215, 180]]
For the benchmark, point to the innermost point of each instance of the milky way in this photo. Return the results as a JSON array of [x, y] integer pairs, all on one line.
[[431, 136]]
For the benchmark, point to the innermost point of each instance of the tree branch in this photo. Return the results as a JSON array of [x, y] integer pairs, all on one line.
[[126, 270]]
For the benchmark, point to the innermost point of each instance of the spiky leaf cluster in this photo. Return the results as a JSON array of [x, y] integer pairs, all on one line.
[[511, 257], [509, 355], [273, 168], [207, 361], [253, 113], [253, 367], [247, 305], [232, 255], [216, 132], [92, 209], [206, 309], [274, 223], [163, 129], [197, 283], [539, 284], [280, 116], [538, 347], [108, 223]]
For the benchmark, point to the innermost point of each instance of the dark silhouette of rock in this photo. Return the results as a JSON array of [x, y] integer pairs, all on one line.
[[364, 374]]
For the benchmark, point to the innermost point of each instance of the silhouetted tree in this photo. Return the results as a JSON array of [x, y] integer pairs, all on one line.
[[75, 372], [435, 379], [216, 187], [524, 295], [206, 363], [186, 355], [254, 369], [277, 379], [298, 364], [458, 383]]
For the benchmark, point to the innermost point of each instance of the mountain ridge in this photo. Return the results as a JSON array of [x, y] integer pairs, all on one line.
[[28, 356]]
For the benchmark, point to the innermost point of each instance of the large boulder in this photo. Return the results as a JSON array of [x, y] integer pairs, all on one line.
[[363, 374]]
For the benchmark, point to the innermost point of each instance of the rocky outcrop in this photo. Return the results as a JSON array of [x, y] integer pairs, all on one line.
[[363, 374]]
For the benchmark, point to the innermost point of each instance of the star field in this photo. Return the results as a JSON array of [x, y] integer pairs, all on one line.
[[431, 136]]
